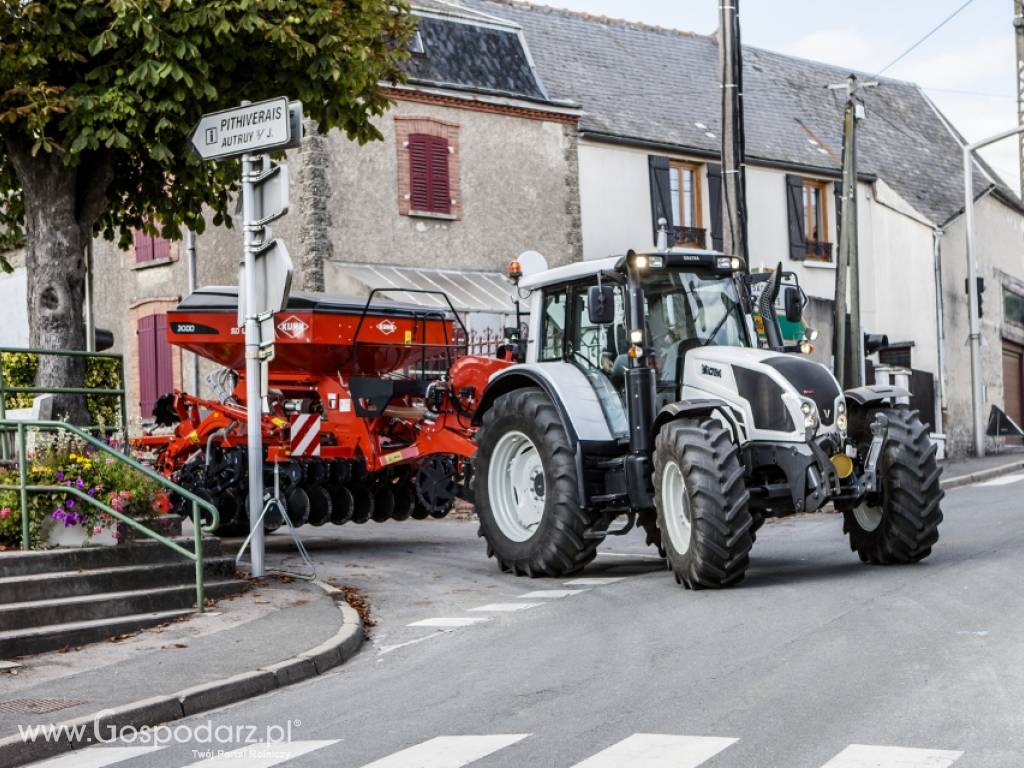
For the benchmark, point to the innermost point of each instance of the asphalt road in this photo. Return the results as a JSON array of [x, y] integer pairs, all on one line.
[[815, 652]]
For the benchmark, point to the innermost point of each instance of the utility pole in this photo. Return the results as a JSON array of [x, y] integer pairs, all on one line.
[[848, 262], [1018, 30], [734, 184]]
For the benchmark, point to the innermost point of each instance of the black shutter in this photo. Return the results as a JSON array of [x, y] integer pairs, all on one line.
[[715, 203], [661, 193], [795, 209], [837, 188]]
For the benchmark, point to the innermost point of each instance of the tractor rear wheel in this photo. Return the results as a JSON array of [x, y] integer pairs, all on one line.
[[901, 524], [527, 497], [702, 504]]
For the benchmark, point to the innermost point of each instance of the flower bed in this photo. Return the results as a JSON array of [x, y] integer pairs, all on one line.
[[62, 461]]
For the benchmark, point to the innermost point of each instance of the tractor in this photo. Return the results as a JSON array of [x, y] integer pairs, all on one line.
[[644, 390]]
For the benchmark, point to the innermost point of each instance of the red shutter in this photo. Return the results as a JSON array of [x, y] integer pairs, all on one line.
[[143, 246], [161, 248], [156, 373], [429, 188], [147, 365]]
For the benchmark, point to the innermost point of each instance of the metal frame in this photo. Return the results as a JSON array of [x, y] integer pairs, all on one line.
[[118, 393], [23, 487]]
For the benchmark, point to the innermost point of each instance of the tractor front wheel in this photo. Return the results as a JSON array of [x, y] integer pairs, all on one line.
[[527, 497], [702, 504], [901, 523]]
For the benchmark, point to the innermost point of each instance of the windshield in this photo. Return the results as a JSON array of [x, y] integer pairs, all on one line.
[[686, 310]]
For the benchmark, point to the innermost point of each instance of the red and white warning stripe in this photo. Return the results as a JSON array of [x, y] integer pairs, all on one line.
[[305, 434]]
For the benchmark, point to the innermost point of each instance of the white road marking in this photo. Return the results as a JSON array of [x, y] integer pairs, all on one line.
[[463, 621], [447, 751], [264, 755], [551, 593], [1004, 480], [594, 581], [389, 648], [629, 554], [96, 757], [658, 750], [863, 756], [505, 607]]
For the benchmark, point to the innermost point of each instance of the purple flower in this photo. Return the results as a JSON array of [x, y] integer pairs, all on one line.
[[80, 483], [70, 503], [59, 476]]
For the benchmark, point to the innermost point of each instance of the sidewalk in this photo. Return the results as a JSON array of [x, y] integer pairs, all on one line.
[[241, 647], [972, 470]]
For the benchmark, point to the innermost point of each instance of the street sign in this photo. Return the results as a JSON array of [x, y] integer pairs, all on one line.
[[246, 129], [273, 266]]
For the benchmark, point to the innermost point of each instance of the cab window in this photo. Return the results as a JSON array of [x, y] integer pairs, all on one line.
[[554, 325], [599, 347]]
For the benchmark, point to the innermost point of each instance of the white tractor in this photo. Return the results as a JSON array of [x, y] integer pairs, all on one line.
[[642, 392]]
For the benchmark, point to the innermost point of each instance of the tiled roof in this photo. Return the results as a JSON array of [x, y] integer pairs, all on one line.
[[469, 51], [657, 86]]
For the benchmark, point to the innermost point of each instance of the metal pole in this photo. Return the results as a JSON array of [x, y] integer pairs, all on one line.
[[732, 152], [190, 254], [940, 331], [90, 311], [974, 335], [853, 258], [842, 260], [23, 479], [1018, 33], [254, 415], [197, 524]]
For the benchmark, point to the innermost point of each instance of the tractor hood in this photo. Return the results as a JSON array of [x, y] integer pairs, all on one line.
[[769, 388]]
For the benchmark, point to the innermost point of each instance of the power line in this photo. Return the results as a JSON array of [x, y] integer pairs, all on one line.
[[935, 29]]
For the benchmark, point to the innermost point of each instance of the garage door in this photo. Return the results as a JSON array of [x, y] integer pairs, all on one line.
[[1013, 384]]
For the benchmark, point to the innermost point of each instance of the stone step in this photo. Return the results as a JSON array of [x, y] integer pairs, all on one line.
[[110, 605], [24, 642], [140, 552], [48, 586]]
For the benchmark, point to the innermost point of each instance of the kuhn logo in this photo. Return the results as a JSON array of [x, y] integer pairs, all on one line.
[[293, 327], [387, 327], [707, 370]]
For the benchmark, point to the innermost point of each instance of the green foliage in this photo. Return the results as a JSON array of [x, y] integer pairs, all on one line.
[[65, 461], [19, 369], [114, 87]]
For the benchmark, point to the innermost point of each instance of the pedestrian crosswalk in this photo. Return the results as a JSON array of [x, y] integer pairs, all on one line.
[[640, 750]]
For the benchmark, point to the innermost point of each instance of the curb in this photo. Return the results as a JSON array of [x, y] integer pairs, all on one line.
[[200, 698], [982, 474]]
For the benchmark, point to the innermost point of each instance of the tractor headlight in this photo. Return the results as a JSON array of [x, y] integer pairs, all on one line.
[[635, 337], [640, 262], [811, 419], [842, 422]]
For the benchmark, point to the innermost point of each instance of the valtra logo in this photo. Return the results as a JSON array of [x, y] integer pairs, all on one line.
[[293, 327], [387, 327]]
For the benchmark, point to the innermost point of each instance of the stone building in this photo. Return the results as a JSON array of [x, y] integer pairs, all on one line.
[[477, 165]]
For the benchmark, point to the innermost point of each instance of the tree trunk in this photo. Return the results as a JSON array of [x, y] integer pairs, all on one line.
[[55, 263]]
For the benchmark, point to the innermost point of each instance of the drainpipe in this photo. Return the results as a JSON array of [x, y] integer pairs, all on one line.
[[190, 258], [90, 314], [940, 331]]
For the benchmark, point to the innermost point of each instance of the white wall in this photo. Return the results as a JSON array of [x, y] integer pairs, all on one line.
[[14, 308], [615, 200]]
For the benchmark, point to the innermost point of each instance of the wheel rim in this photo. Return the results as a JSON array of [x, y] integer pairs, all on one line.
[[516, 486], [868, 517], [676, 502]]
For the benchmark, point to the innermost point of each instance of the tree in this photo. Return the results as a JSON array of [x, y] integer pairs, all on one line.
[[98, 97]]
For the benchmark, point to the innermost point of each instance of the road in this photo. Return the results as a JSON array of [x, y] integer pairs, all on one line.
[[814, 654]]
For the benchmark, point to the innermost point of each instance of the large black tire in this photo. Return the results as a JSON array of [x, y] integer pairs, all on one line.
[[557, 546], [716, 550], [903, 524]]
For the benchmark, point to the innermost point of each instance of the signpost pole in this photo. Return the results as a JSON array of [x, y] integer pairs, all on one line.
[[254, 406]]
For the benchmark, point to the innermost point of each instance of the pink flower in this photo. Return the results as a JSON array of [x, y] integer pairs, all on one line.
[[5, 513], [97, 530]]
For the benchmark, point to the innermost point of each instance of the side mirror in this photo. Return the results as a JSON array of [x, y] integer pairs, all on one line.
[[794, 305], [601, 304]]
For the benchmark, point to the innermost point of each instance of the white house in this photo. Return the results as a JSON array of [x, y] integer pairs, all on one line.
[[649, 142]]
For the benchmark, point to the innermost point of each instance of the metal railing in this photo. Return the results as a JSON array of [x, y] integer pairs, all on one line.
[[119, 393], [24, 488]]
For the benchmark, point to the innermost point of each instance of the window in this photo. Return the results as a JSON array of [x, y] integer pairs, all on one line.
[[687, 215], [428, 167], [554, 325], [150, 247], [156, 373], [807, 208], [599, 347], [816, 220], [428, 174], [1013, 307]]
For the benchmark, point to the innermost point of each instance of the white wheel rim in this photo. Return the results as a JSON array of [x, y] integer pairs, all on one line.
[[516, 486], [867, 517], [676, 501]]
